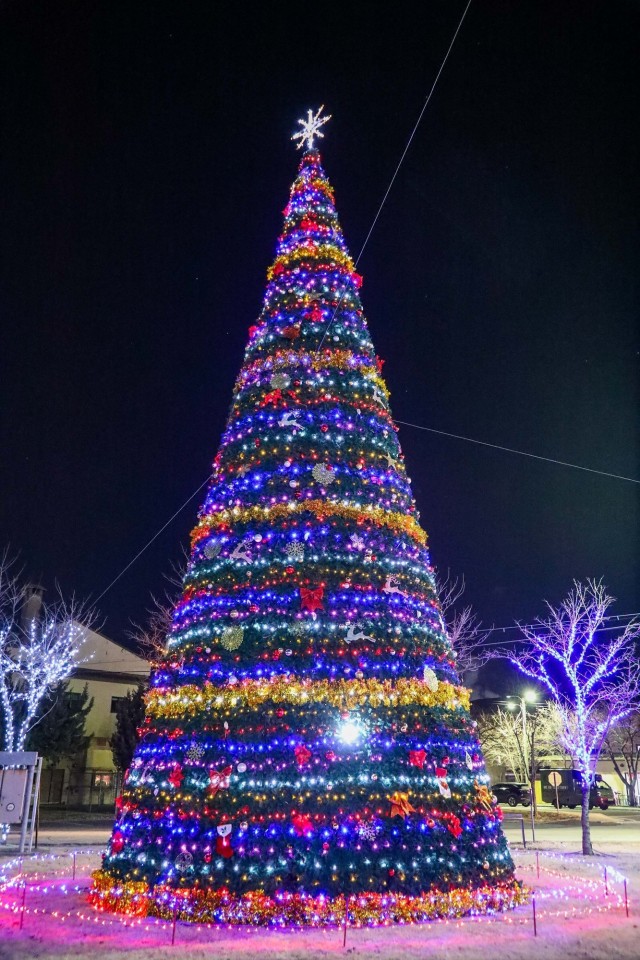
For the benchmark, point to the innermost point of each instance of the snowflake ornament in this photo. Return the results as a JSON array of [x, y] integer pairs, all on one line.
[[367, 830], [295, 550], [195, 752], [310, 128]]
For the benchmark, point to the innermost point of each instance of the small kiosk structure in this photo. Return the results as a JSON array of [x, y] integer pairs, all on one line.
[[19, 789]]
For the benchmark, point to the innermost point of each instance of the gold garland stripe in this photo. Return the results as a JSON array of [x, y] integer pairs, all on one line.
[[338, 359], [190, 699], [319, 251], [323, 509]]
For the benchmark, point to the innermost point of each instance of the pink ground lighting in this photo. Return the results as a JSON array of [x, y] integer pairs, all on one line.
[[44, 913]]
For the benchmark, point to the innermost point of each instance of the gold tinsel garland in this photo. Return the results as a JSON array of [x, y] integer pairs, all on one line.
[[311, 248], [256, 907], [320, 360], [345, 695], [323, 509]]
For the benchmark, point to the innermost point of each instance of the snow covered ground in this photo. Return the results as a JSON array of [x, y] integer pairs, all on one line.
[[578, 915]]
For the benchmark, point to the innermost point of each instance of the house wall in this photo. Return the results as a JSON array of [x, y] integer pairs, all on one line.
[[108, 670]]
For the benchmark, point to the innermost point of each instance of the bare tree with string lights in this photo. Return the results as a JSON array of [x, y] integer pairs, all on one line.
[[466, 634], [36, 653], [592, 675]]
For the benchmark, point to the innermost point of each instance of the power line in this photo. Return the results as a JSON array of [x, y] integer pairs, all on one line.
[[522, 453], [489, 631], [395, 173], [154, 537], [501, 643], [413, 132], [515, 626]]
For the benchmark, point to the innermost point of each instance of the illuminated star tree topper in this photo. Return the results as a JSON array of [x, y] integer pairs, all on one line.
[[311, 128]]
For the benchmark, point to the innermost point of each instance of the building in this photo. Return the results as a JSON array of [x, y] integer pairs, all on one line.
[[109, 672]]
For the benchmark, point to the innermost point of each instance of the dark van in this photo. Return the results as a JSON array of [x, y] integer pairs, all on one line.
[[568, 792]]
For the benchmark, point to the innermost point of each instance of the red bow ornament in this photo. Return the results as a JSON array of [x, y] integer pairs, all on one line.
[[219, 780], [291, 333], [417, 758], [453, 824], [176, 777], [117, 842], [312, 598]]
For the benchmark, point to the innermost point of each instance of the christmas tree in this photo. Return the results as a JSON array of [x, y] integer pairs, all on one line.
[[307, 743]]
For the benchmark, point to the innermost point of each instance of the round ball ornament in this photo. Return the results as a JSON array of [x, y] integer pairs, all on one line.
[[280, 381], [183, 861], [232, 638], [117, 842], [212, 549]]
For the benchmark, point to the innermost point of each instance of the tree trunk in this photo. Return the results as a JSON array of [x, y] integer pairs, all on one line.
[[587, 848]]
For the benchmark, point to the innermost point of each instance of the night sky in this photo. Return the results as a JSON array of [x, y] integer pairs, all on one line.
[[146, 160]]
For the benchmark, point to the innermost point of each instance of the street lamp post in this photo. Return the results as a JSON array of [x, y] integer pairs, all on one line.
[[529, 696]]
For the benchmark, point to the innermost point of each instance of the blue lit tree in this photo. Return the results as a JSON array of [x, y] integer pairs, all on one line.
[[591, 674]]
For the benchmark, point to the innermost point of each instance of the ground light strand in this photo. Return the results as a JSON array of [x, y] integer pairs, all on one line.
[[557, 900]]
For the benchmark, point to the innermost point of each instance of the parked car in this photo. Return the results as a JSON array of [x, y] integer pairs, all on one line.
[[512, 793]]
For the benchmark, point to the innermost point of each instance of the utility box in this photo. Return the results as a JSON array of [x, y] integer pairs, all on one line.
[[13, 785]]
